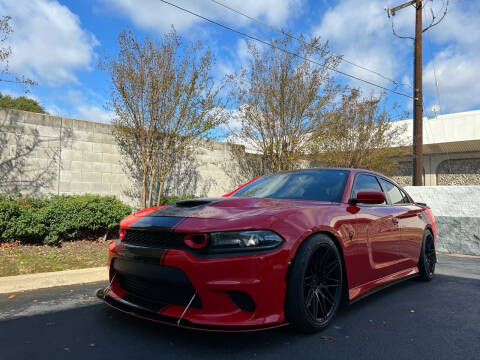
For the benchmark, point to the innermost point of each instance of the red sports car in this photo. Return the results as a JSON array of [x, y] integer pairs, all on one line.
[[287, 248]]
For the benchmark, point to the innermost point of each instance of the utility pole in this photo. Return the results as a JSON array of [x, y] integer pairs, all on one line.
[[418, 99], [417, 159]]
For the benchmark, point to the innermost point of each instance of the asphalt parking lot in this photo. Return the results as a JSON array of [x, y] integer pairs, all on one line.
[[411, 320]]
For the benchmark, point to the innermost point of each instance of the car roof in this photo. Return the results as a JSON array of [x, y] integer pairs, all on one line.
[[355, 170], [352, 170]]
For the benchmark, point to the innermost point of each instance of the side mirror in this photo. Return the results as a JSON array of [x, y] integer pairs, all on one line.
[[369, 197]]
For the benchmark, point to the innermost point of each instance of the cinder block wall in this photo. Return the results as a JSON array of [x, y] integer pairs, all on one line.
[[44, 154], [457, 214]]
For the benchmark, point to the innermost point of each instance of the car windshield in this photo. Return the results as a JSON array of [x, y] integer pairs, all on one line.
[[317, 185]]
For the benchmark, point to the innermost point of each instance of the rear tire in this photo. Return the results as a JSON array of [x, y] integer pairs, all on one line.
[[315, 285], [428, 257]]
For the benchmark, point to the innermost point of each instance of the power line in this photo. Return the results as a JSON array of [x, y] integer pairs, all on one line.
[[304, 42], [284, 50]]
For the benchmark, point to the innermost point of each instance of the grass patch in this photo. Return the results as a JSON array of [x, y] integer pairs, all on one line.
[[16, 259]]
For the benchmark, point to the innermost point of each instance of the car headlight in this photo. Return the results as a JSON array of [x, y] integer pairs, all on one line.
[[243, 241]]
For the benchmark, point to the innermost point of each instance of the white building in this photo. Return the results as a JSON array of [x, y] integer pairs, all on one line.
[[451, 148]]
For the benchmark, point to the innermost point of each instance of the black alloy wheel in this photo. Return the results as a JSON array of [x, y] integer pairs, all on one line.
[[315, 284], [428, 257], [322, 282]]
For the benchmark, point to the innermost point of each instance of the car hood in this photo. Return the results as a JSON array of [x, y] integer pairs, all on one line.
[[232, 208]]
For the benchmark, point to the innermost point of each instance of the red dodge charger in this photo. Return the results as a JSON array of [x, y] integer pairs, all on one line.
[[286, 248]]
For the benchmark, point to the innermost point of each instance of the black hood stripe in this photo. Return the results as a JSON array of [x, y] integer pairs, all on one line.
[[165, 223], [171, 216]]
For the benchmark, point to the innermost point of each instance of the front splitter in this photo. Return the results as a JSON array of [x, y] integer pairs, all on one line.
[[146, 314]]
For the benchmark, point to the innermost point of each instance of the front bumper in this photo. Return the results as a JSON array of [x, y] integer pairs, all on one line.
[[213, 280]]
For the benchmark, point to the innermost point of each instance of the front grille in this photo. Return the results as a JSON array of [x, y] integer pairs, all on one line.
[[154, 294], [157, 239]]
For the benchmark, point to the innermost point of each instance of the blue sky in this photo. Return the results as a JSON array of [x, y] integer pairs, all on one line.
[[58, 44]]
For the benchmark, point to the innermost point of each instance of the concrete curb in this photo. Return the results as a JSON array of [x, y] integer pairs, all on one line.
[[11, 284]]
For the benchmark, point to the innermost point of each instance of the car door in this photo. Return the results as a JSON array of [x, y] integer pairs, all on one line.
[[410, 223], [377, 226]]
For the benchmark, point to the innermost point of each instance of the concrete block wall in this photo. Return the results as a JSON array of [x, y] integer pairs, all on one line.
[[29, 152], [457, 214], [70, 156], [44, 154]]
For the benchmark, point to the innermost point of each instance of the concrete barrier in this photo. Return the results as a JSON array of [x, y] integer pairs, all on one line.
[[457, 214]]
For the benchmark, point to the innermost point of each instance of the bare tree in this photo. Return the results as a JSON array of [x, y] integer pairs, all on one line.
[[282, 100], [165, 102], [5, 52], [360, 133]]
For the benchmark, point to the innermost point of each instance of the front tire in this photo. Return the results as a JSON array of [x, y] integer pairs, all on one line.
[[428, 257], [315, 285]]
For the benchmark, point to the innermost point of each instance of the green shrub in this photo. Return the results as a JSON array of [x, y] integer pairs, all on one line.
[[50, 220]]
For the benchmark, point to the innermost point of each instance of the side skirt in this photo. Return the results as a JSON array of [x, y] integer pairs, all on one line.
[[375, 286]]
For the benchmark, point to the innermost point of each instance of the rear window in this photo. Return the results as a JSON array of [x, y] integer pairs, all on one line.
[[317, 185], [395, 194]]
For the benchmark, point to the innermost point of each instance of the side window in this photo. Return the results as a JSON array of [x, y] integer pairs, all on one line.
[[406, 200], [365, 183], [394, 193]]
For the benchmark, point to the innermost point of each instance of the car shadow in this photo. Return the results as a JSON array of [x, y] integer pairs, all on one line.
[[394, 320]]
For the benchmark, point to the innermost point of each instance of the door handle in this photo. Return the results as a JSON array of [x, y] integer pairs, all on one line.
[[395, 220]]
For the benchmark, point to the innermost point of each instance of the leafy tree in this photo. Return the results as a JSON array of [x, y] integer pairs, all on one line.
[[282, 101], [20, 103], [165, 101], [359, 133]]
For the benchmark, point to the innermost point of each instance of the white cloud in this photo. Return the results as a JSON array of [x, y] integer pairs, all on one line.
[[84, 108], [237, 59], [94, 113], [158, 16], [362, 33], [48, 43], [459, 26], [458, 74], [82, 104], [457, 64], [55, 110], [234, 121]]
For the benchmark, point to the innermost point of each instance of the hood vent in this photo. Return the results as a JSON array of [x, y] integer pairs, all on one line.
[[183, 208], [192, 203]]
